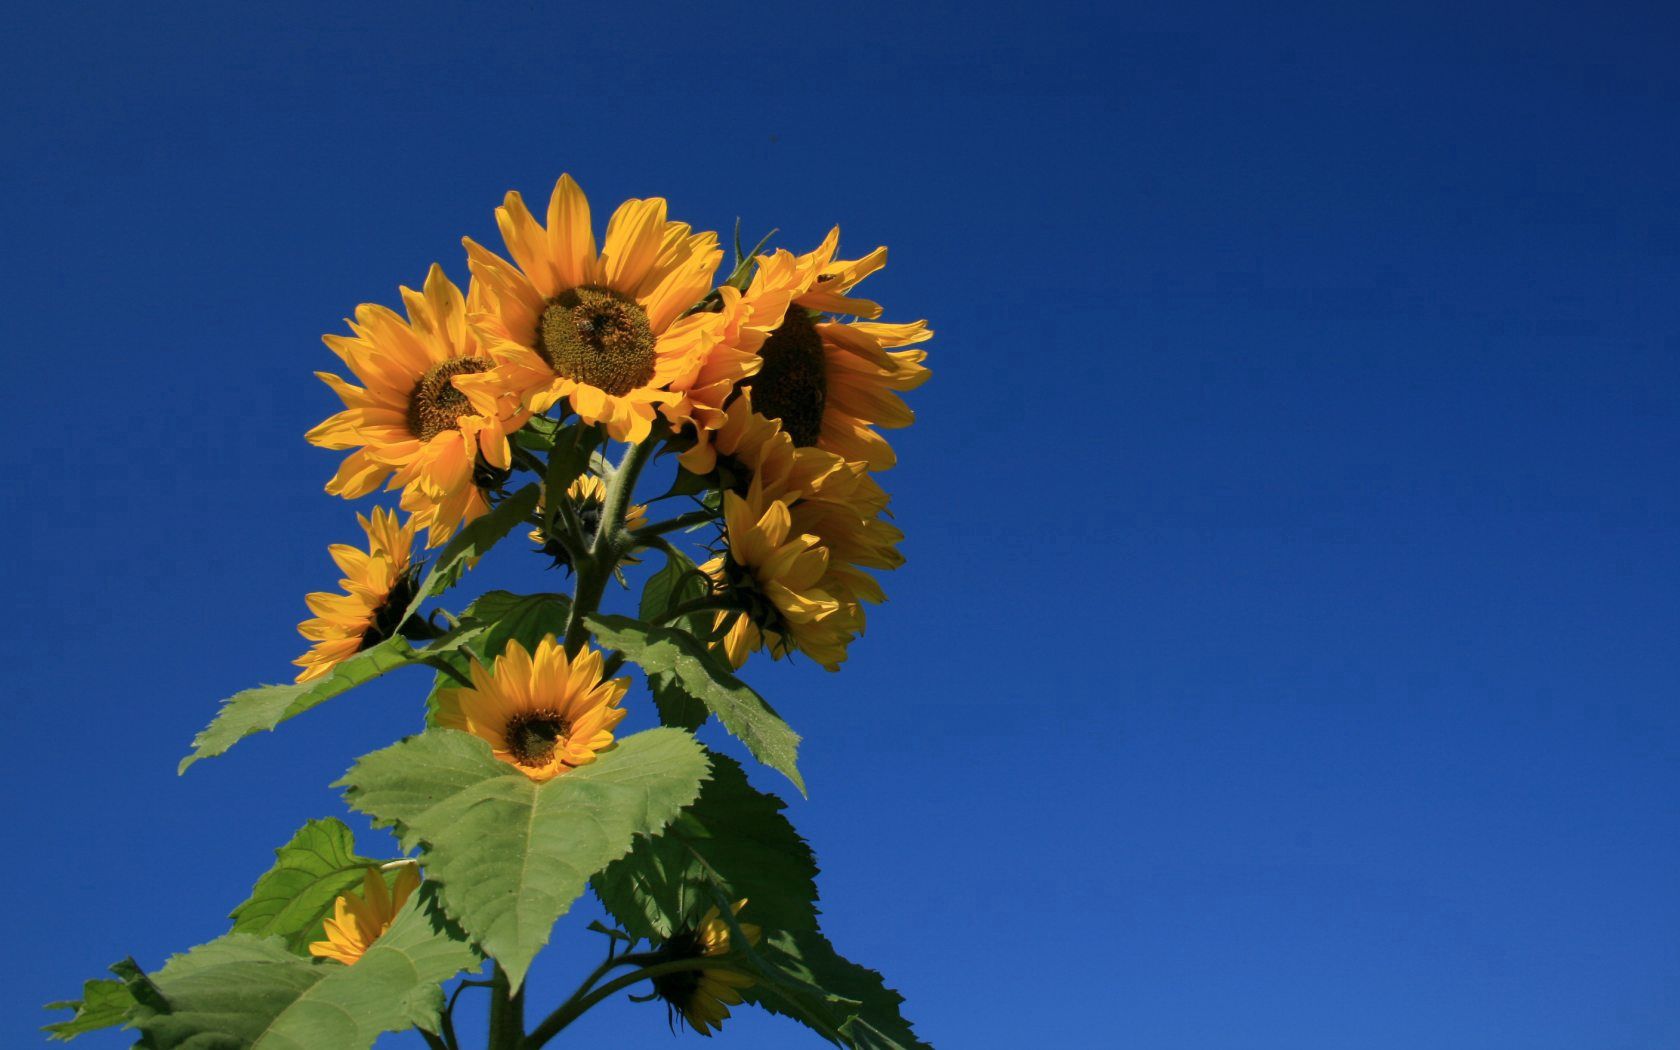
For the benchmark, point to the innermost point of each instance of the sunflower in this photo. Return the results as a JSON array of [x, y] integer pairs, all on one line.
[[588, 496], [703, 997], [782, 578], [543, 714], [412, 422], [378, 585], [607, 332], [829, 382], [358, 921]]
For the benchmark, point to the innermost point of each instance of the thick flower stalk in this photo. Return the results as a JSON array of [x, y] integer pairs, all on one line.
[[701, 453]]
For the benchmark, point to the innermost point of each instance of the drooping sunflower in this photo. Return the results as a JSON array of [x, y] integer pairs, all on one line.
[[543, 714], [607, 332], [588, 497], [358, 921], [378, 585], [703, 997], [781, 577], [830, 382], [412, 422]]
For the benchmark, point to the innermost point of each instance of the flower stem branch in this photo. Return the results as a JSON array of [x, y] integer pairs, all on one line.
[[583, 999]]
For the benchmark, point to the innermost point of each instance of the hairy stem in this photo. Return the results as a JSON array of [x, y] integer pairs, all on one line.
[[507, 1013]]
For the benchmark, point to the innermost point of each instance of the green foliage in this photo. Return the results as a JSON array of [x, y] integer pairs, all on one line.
[[732, 841], [574, 447], [679, 581], [691, 667], [104, 1004], [244, 991], [510, 855], [310, 872], [804, 978], [468, 545], [524, 618], [265, 707]]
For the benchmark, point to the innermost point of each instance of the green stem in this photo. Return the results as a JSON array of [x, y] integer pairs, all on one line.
[[709, 603], [595, 568], [507, 1013], [433, 1041], [681, 521], [582, 1000]]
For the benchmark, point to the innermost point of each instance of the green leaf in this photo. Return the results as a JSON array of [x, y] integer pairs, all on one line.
[[807, 980], [243, 991], [471, 542], [525, 618], [692, 668], [261, 709], [265, 707], [310, 872], [733, 840], [537, 434], [570, 457], [104, 1004], [508, 854], [680, 580]]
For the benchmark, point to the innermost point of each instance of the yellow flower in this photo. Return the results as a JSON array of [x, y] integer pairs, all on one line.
[[588, 496], [703, 997], [378, 585], [543, 714], [829, 382], [782, 576], [412, 422], [605, 332], [358, 921]]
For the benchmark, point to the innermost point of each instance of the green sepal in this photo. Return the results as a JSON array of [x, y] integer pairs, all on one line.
[[509, 855], [733, 840], [689, 665]]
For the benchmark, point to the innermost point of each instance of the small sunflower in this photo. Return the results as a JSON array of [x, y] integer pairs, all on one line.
[[378, 585], [412, 422], [588, 496], [703, 997], [607, 332], [358, 921], [543, 714], [782, 577], [829, 382]]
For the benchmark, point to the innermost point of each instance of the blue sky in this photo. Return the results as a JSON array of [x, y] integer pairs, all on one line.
[[1285, 656]]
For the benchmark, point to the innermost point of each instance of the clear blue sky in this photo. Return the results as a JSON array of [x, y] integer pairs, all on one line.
[[1286, 656]]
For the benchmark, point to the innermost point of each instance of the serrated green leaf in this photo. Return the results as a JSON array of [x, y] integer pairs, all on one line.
[[734, 840], [472, 541], [693, 668], [678, 581], [261, 709], [508, 854], [525, 618], [104, 1004], [310, 872], [807, 980], [265, 707], [242, 991]]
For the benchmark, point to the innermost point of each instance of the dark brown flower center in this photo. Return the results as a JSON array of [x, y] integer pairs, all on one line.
[[597, 336], [389, 615], [793, 384], [435, 405], [532, 737]]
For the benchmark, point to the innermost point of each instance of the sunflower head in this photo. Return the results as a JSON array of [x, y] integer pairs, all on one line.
[[782, 580], [359, 920], [542, 713], [830, 383], [412, 423], [588, 497], [702, 997], [608, 332], [378, 585]]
